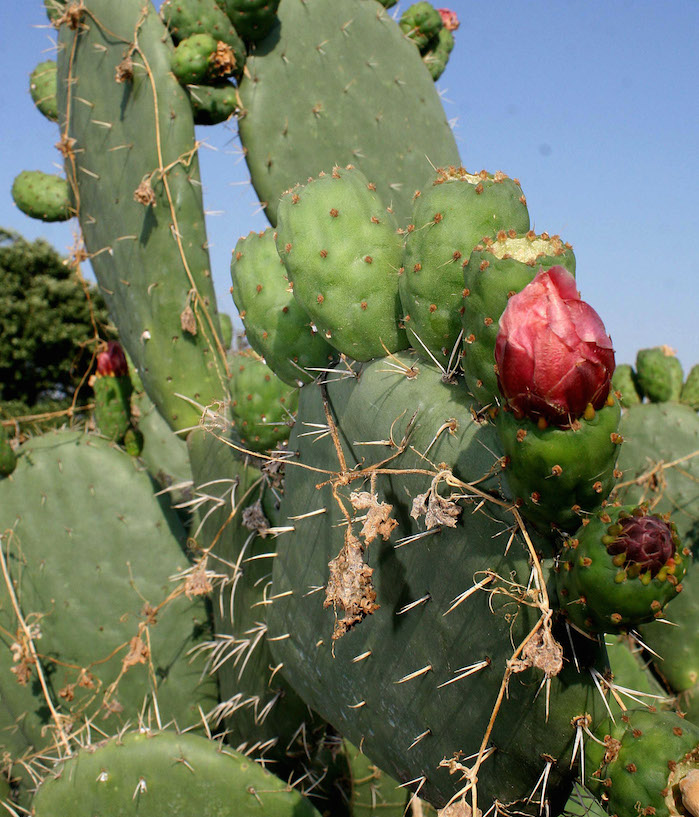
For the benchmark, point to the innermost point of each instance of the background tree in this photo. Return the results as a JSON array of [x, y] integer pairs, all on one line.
[[49, 320]]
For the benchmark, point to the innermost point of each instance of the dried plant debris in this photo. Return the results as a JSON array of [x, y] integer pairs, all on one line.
[[378, 520], [255, 519], [436, 509], [349, 586], [543, 652]]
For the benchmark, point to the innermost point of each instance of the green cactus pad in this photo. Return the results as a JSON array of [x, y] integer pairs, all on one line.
[[253, 19], [276, 326], [154, 774], [342, 255], [113, 405], [412, 681], [603, 589], [134, 165], [213, 104], [420, 23], [262, 405], [42, 87], [690, 390], [190, 60], [659, 374], [449, 218], [560, 474], [90, 551], [624, 384], [45, 196], [641, 767], [372, 792], [494, 271], [379, 111]]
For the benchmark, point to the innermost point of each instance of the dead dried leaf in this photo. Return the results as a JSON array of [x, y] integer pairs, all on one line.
[[436, 509], [138, 653], [378, 520], [349, 586]]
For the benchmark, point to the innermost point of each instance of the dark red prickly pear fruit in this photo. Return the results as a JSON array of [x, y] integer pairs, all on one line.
[[112, 361]]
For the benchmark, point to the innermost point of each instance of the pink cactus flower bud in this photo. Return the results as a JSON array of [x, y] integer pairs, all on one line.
[[554, 357], [112, 362], [449, 19], [648, 541]]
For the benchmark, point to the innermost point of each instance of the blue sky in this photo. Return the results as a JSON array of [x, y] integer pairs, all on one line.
[[593, 105]]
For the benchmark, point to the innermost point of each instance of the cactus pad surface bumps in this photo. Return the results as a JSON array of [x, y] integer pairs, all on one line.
[[449, 218], [276, 325], [342, 254]]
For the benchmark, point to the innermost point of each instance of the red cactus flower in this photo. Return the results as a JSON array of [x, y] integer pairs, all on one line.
[[112, 362], [449, 19], [647, 541], [553, 354]]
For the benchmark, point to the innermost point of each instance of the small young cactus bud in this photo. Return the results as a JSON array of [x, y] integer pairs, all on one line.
[[112, 362], [553, 354]]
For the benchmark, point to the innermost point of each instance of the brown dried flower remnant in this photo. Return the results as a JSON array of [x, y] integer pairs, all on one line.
[[144, 193], [349, 586], [378, 520], [541, 652], [124, 71], [197, 582], [188, 320], [222, 61], [138, 653], [436, 509], [255, 519]]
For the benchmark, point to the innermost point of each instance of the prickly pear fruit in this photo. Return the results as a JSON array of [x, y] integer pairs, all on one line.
[[43, 195], [645, 763], [421, 22], [276, 326], [560, 474], [212, 104], [494, 272], [155, 773], [113, 387], [187, 17], [553, 355], [624, 384], [690, 390], [342, 254], [620, 570], [449, 219], [253, 19], [54, 9], [437, 53], [191, 59], [262, 406], [42, 87], [8, 458], [659, 374]]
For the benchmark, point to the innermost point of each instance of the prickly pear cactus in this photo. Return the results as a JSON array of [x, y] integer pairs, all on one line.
[[126, 125]]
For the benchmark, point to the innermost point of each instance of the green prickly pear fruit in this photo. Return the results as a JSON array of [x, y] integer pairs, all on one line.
[[113, 387], [262, 405], [42, 87], [54, 9], [387, 4], [495, 271], [437, 53], [659, 374], [448, 220], [213, 104], [253, 19], [560, 474], [690, 390], [624, 384], [8, 458], [133, 441], [620, 570], [421, 22], [152, 774], [185, 18], [276, 326], [553, 355], [190, 61], [45, 196], [342, 253], [645, 763]]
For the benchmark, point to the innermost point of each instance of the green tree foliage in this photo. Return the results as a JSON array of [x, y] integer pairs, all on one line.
[[45, 325]]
